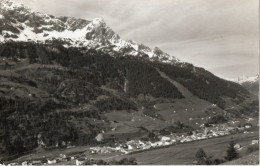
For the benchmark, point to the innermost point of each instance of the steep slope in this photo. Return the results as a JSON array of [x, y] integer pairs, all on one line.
[[183, 90], [204, 84], [65, 86], [58, 93], [193, 109], [52, 94]]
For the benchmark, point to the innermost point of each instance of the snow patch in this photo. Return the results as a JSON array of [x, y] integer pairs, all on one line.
[[243, 79]]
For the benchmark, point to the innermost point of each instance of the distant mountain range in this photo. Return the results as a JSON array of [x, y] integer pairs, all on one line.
[[250, 83], [68, 79]]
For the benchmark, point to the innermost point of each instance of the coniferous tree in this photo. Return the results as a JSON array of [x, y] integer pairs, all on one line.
[[231, 151], [202, 158]]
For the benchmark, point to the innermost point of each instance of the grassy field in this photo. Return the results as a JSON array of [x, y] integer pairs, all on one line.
[[187, 110], [175, 154], [134, 120], [184, 153], [251, 159]]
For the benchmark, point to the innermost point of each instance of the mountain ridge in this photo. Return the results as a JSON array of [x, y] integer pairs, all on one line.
[[42, 28], [251, 83]]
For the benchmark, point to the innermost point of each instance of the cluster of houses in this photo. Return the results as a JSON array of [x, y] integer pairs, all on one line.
[[75, 160], [204, 133]]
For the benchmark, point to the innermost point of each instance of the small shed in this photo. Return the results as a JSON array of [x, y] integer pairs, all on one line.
[[93, 152], [248, 125], [79, 162], [255, 142], [52, 161], [237, 146]]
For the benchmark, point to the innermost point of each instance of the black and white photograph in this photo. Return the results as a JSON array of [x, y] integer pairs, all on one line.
[[129, 82]]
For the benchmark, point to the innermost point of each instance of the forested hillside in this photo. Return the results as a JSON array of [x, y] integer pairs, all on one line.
[[204, 84], [52, 94]]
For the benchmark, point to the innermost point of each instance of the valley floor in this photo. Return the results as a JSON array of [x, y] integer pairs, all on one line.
[[183, 154], [179, 154]]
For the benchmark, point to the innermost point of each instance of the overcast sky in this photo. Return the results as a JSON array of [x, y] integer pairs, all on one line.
[[218, 35]]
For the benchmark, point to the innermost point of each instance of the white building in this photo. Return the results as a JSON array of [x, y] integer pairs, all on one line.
[[167, 143], [52, 161], [166, 139], [24, 163], [130, 147], [255, 142], [237, 146], [79, 162]]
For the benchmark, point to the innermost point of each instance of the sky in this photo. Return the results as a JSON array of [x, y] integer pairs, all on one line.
[[219, 35]]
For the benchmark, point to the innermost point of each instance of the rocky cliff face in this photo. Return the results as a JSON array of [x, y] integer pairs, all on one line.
[[19, 23]]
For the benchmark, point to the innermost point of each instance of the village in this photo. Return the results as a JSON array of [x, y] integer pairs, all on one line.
[[137, 145], [173, 138]]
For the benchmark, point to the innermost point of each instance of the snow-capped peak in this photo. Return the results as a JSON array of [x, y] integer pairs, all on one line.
[[244, 79], [18, 23], [98, 21]]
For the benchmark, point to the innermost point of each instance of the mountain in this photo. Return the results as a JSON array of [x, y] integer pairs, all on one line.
[[250, 83], [244, 79], [22, 24], [66, 80]]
